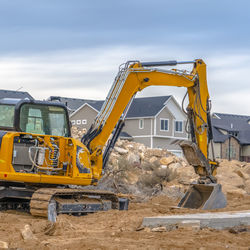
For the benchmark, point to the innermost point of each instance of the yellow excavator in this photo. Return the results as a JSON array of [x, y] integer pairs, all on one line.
[[39, 159]]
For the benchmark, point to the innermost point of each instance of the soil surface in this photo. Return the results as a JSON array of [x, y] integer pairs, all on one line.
[[121, 229]]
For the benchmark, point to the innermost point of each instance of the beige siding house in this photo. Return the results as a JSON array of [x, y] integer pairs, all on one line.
[[231, 136], [153, 121], [84, 116]]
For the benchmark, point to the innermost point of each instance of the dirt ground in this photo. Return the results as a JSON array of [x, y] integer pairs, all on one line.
[[119, 229]]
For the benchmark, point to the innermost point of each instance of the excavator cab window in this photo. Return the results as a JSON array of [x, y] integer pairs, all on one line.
[[7, 116], [43, 119]]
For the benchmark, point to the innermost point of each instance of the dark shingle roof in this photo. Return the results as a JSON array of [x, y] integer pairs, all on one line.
[[146, 106], [95, 104], [140, 107], [71, 103], [218, 136], [231, 123], [125, 135], [14, 94]]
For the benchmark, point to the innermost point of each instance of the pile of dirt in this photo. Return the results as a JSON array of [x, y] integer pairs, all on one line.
[[234, 177], [135, 169]]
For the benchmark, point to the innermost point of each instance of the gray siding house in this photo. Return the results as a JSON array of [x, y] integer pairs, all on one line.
[[153, 121], [231, 136]]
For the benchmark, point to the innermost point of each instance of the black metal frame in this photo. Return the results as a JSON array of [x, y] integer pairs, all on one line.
[[42, 103]]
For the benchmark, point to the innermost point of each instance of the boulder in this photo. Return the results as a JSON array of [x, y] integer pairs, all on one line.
[[26, 233], [134, 159], [4, 245], [155, 152], [121, 151], [153, 159], [174, 166]]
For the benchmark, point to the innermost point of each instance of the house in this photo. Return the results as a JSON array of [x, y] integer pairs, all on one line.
[[15, 94], [153, 121], [231, 136], [72, 103]]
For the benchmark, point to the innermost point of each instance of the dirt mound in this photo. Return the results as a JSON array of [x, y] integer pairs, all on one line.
[[234, 177], [135, 169]]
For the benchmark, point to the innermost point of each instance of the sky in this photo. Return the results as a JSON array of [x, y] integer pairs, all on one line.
[[74, 48]]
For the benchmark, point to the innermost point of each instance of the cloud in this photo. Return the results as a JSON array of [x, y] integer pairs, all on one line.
[[89, 73]]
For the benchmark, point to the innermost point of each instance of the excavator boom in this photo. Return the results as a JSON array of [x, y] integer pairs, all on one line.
[[133, 77]]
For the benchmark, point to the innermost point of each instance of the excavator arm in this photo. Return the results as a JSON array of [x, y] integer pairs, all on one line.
[[133, 77], [136, 76]]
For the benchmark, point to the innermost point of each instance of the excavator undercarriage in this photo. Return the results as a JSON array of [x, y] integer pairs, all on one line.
[[50, 201]]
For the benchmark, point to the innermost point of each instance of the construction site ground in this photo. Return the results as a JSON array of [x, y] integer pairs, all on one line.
[[120, 229], [155, 180]]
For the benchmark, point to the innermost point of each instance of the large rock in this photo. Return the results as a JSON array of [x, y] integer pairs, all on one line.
[[27, 234], [167, 160], [155, 152], [4, 245], [121, 151], [134, 159], [153, 159], [175, 166]]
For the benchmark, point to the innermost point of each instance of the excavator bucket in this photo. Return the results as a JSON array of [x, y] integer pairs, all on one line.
[[204, 196], [201, 196]]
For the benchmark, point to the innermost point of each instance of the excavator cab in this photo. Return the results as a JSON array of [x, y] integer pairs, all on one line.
[[35, 117]]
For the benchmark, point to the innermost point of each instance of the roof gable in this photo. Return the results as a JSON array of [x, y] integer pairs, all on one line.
[[95, 105], [231, 123], [175, 109]]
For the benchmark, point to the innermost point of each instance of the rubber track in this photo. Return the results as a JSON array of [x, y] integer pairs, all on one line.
[[41, 198]]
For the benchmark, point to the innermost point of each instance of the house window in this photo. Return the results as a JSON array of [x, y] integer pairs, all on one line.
[[141, 124], [178, 126], [164, 124], [78, 122], [84, 122], [73, 122]]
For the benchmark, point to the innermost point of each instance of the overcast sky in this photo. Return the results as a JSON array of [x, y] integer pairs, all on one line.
[[73, 48]]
